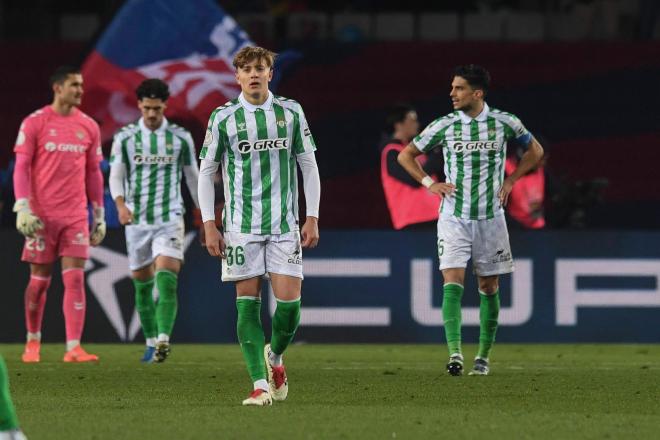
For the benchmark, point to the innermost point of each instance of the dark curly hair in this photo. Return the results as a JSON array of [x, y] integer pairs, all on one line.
[[476, 76], [152, 88]]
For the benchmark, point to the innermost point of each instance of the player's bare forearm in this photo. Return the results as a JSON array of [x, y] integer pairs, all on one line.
[[407, 160], [528, 161], [310, 232]]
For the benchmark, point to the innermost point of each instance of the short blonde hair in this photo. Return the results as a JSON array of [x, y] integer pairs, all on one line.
[[251, 53]]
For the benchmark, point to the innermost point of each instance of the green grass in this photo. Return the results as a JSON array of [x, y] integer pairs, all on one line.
[[342, 392]]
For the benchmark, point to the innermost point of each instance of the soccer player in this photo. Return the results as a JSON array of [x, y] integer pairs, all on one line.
[[148, 159], [258, 138], [8, 422], [472, 224], [57, 172]]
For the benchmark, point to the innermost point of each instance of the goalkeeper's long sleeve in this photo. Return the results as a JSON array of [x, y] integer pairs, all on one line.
[[22, 176], [94, 184]]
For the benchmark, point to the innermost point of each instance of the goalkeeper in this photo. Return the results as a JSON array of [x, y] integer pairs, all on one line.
[[57, 173]]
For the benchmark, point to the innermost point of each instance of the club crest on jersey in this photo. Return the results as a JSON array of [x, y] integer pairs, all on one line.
[[52, 132], [281, 123], [263, 145], [80, 135], [492, 132], [169, 148]]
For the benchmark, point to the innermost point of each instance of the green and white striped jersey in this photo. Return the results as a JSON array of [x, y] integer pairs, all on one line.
[[154, 163], [257, 148], [474, 151]]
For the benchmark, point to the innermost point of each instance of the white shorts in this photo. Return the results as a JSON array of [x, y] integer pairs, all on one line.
[[252, 255], [485, 241], [145, 242]]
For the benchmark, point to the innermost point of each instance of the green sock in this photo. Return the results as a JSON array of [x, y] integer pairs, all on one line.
[[285, 323], [488, 313], [144, 303], [251, 336], [451, 314], [167, 301], [8, 420]]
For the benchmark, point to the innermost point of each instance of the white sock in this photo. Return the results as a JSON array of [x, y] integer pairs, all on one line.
[[73, 343], [151, 342], [164, 338], [275, 359], [34, 336], [261, 384]]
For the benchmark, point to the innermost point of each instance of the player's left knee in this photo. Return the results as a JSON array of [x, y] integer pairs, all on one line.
[[488, 286]]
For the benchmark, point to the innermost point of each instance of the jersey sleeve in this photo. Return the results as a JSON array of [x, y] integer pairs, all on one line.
[[189, 156], [432, 136], [95, 152], [215, 139], [303, 141], [116, 153], [518, 133], [26, 141]]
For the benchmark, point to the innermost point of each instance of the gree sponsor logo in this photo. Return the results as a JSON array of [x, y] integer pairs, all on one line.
[[263, 145], [153, 160], [66, 148], [476, 146]]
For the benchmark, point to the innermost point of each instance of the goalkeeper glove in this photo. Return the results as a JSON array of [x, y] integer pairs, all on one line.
[[98, 227], [27, 222]]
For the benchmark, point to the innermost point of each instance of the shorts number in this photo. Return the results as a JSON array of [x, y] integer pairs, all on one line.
[[235, 255], [441, 247], [35, 244]]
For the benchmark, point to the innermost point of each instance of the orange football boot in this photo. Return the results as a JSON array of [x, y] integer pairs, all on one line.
[[31, 354], [77, 354]]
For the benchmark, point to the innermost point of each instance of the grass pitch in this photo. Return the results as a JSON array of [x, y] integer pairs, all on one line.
[[343, 392]]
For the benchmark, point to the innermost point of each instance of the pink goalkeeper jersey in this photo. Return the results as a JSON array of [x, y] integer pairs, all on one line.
[[60, 148]]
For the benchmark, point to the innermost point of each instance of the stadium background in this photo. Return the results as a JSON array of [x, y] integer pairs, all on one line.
[[582, 75]]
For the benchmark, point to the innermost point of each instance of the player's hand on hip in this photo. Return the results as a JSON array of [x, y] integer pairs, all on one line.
[[125, 215], [27, 222], [310, 232], [97, 234], [215, 243], [443, 189], [505, 190]]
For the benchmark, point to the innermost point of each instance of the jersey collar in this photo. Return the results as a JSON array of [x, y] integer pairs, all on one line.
[[481, 117], [267, 105], [159, 130]]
